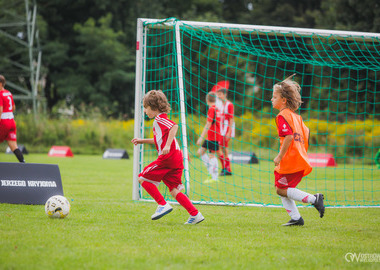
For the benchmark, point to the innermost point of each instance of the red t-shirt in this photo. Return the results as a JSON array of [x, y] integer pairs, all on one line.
[[7, 123], [214, 116], [228, 111], [6, 100], [283, 127], [161, 128]]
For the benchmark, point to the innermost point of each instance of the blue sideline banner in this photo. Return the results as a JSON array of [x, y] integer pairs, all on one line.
[[29, 183]]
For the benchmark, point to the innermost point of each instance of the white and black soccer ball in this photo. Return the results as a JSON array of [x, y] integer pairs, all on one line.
[[57, 207]]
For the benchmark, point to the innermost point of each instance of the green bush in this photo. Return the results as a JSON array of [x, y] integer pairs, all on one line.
[[347, 141], [82, 135]]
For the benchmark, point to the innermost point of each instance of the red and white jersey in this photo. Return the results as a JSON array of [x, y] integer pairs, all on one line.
[[6, 100], [219, 104], [161, 128], [227, 115], [214, 117]]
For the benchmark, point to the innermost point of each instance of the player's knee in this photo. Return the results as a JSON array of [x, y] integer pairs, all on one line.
[[281, 192], [141, 181], [174, 192]]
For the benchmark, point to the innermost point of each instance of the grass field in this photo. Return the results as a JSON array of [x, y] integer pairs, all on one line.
[[107, 230], [344, 185]]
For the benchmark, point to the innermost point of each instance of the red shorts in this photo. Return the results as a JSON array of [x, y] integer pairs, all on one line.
[[285, 181], [224, 142], [8, 130], [156, 171]]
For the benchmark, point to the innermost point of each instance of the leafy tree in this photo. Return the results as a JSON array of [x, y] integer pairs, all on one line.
[[349, 15], [100, 74], [89, 45], [291, 13], [14, 57]]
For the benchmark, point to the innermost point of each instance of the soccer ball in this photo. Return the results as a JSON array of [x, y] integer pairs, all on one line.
[[57, 207]]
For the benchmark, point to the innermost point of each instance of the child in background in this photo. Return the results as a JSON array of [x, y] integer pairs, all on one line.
[[212, 129], [292, 162], [169, 164], [8, 130], [227, 128]]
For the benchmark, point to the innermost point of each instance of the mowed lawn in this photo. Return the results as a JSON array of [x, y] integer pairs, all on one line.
[[107, 230]]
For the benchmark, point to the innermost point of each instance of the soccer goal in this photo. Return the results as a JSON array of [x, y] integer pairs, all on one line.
[[340, 79]]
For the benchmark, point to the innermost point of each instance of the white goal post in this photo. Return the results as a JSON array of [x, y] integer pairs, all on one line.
[[146, 26]]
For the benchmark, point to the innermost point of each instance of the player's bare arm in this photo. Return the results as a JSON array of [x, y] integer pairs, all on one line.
[[230, 124], [171, 136], [285, 146], [137, 141], [204, 132]]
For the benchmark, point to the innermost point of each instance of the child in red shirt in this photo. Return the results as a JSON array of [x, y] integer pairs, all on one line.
[[212, 129], [169, 164], [227, 129], [292, 162], [8, 130]]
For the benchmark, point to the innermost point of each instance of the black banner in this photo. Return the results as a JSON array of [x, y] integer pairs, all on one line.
[[28, 183], [20, 146], [243, 157], [115, 154]]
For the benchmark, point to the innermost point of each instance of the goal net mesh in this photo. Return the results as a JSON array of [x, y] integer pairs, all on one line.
[[340, 81]]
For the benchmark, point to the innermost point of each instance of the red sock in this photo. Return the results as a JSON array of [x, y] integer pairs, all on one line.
[[186, 203], [222, 160], [154, 192], [228, 164]]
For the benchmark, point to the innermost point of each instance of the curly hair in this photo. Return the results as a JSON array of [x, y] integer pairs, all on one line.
[[291, 91], [157, 101]]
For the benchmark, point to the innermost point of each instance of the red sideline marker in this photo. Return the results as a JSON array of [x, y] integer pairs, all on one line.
[[322, 160], [60, 151]]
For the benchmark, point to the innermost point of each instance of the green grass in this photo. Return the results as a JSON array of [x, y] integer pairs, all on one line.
[[345, 185], [107, 230]]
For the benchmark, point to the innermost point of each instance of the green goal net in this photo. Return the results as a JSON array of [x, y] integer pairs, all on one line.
[[340, 79]]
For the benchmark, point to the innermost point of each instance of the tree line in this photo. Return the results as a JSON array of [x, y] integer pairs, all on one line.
[[89, 46]]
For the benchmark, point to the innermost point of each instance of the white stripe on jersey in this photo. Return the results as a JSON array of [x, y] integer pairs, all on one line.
[[164, 122], [176, 144], [157, 128], [158, 117], [225, 110], [224, 123]]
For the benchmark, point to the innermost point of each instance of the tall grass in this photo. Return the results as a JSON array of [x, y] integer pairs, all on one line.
[[84, 136], [350, 142]]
